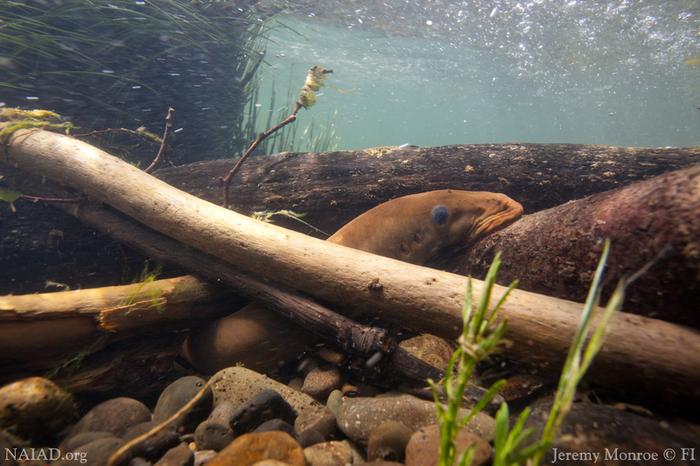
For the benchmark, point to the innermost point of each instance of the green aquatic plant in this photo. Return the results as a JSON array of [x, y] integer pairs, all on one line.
[[9, 196], [13, 113], [479, 338], [512, 445], [12, 127], [74, 362], [107, 64], [15, 119], [315, 78], [154, 296]]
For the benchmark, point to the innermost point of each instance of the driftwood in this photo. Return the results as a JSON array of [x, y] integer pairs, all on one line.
[[37, 329], [658, 220], [639, 352], [329, 188]]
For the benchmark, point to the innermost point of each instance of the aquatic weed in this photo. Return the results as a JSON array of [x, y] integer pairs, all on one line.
[[510, 443]]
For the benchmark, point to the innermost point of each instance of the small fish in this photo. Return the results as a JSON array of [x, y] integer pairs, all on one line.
[[692, 61], [408, 146]]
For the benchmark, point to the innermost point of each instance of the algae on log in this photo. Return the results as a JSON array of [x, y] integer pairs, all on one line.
[[330, 189], [638, 352], [554, 251]]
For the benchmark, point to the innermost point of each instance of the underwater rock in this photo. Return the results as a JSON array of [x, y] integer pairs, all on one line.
[[201, 457], [388, 441], [275, 424], [296, 383], [310, 437], [140, 462], [96, 452], [332, 454], [179, 393], [331, 356], [78, 440], [382, 463], [243, 338], [7, 442], [319, 383], [334, 400], [593, 427], [424, 446], [238, 385], [180, 455], [251, 448], [430, 349], [35, 408], [264, 406], [155, 446], [357, 417], [270, 462], [115, 416], [215, 433]]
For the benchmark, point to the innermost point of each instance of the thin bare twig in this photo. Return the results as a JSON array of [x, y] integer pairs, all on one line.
[[226, 180], [60, 200], [121, 455], [314, 79], [160, 156], [140, 132]]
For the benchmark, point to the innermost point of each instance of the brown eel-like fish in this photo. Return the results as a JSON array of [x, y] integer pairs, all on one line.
[[414, 228]]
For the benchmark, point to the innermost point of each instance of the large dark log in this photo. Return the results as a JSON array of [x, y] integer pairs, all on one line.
[[38, 244], [554, 251], [333, 188]]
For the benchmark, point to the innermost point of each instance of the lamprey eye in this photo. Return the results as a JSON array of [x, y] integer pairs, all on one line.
[[440, 214]]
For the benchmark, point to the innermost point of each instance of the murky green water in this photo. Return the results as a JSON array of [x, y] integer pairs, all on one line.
[[539, 71]]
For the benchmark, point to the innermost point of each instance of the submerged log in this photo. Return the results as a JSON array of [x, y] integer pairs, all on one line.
[[38, 329], [638, 353], [335, 187], [656, 221], [330, 189]]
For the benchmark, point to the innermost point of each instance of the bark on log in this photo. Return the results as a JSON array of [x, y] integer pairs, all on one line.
[[331, 189], [657, 220], [40, 328], [639, 352]]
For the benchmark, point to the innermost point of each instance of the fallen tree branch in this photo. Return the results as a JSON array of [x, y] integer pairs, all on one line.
[[37, 328], [638, 351], [337, 187]]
